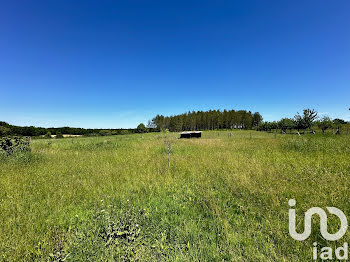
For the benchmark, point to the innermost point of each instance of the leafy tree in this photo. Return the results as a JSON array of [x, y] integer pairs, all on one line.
[[207, 120], [338, 121], [141, 128], [175, 124], [262, 126], [325, 123], [257, 119], [59, 135], [10, 145], [309, 117], [159, 122], [306, 120], [286, 123], [4, 131], [105, 133], [36, 131], [48, 135]]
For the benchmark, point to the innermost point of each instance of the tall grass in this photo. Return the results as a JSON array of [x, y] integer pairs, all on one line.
[[224, 197]]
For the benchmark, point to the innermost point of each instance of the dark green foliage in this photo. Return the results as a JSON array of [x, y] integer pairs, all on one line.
[[105, 133], [4, 131], [338, 121], [11, 130], [300, 122], [268, 126], [305, 121], [200, 120], [286, 123], [207, 120], [59, 135], [141, 128], [257, 119], [324, 123], [337, 124], [48, 135], [13, 145]]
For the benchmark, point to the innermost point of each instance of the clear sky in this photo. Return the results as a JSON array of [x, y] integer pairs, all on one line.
[[111, 64]]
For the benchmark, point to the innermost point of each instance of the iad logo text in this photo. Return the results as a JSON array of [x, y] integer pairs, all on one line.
[[341, 253]]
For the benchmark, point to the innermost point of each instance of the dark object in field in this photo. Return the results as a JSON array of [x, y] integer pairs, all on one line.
[[191, 134], [10, 145]]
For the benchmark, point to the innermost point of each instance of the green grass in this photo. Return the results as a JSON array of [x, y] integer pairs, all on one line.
[[223, 198]]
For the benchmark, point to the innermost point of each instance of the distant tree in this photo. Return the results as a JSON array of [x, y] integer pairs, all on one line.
[[123, 132], [257, 119], [2, 123], [247, 120], [59, 135], [175, 124], [286, 123], [207, 120], [338, 121], [268, 126], [324, 123], [114, 132], [273, 125], [141, 128], [48, 135], [4, 131], [262, 126], [337, 124], [299, 122], [105, 133], [159, 122], [306, 120], [309, 117]]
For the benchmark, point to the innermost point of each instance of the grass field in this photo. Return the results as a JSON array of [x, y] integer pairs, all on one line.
[[223, 198]]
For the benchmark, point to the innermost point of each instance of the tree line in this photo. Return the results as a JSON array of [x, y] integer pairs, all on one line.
[[11, 130], [307, 121], [207, 120], [195, 120], [199, 120]]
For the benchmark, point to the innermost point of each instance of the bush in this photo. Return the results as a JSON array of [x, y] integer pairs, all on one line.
[[59, 135], [4, 131], [141, 128], [9, 146], [105, 133], [48, 135]]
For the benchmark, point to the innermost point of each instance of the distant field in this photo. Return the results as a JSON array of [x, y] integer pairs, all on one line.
[[223, 197]]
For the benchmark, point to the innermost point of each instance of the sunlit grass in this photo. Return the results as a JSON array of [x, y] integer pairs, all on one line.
[[223, 197]]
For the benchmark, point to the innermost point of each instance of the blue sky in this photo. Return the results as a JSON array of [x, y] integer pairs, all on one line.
[[112, 64]]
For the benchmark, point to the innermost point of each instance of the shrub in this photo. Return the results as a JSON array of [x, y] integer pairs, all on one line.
[[4, 131], [105, 133], [13, 145], [141, 128], [59, 135], [48, 135]]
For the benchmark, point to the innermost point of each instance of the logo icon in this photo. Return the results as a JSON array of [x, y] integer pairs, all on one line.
[[323, 222]]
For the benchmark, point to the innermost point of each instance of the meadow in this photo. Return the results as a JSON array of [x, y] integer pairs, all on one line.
[[223, 197]]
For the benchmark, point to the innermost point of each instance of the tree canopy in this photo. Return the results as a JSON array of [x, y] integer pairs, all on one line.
[[208, 120], [305, 121], [141, 128]]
